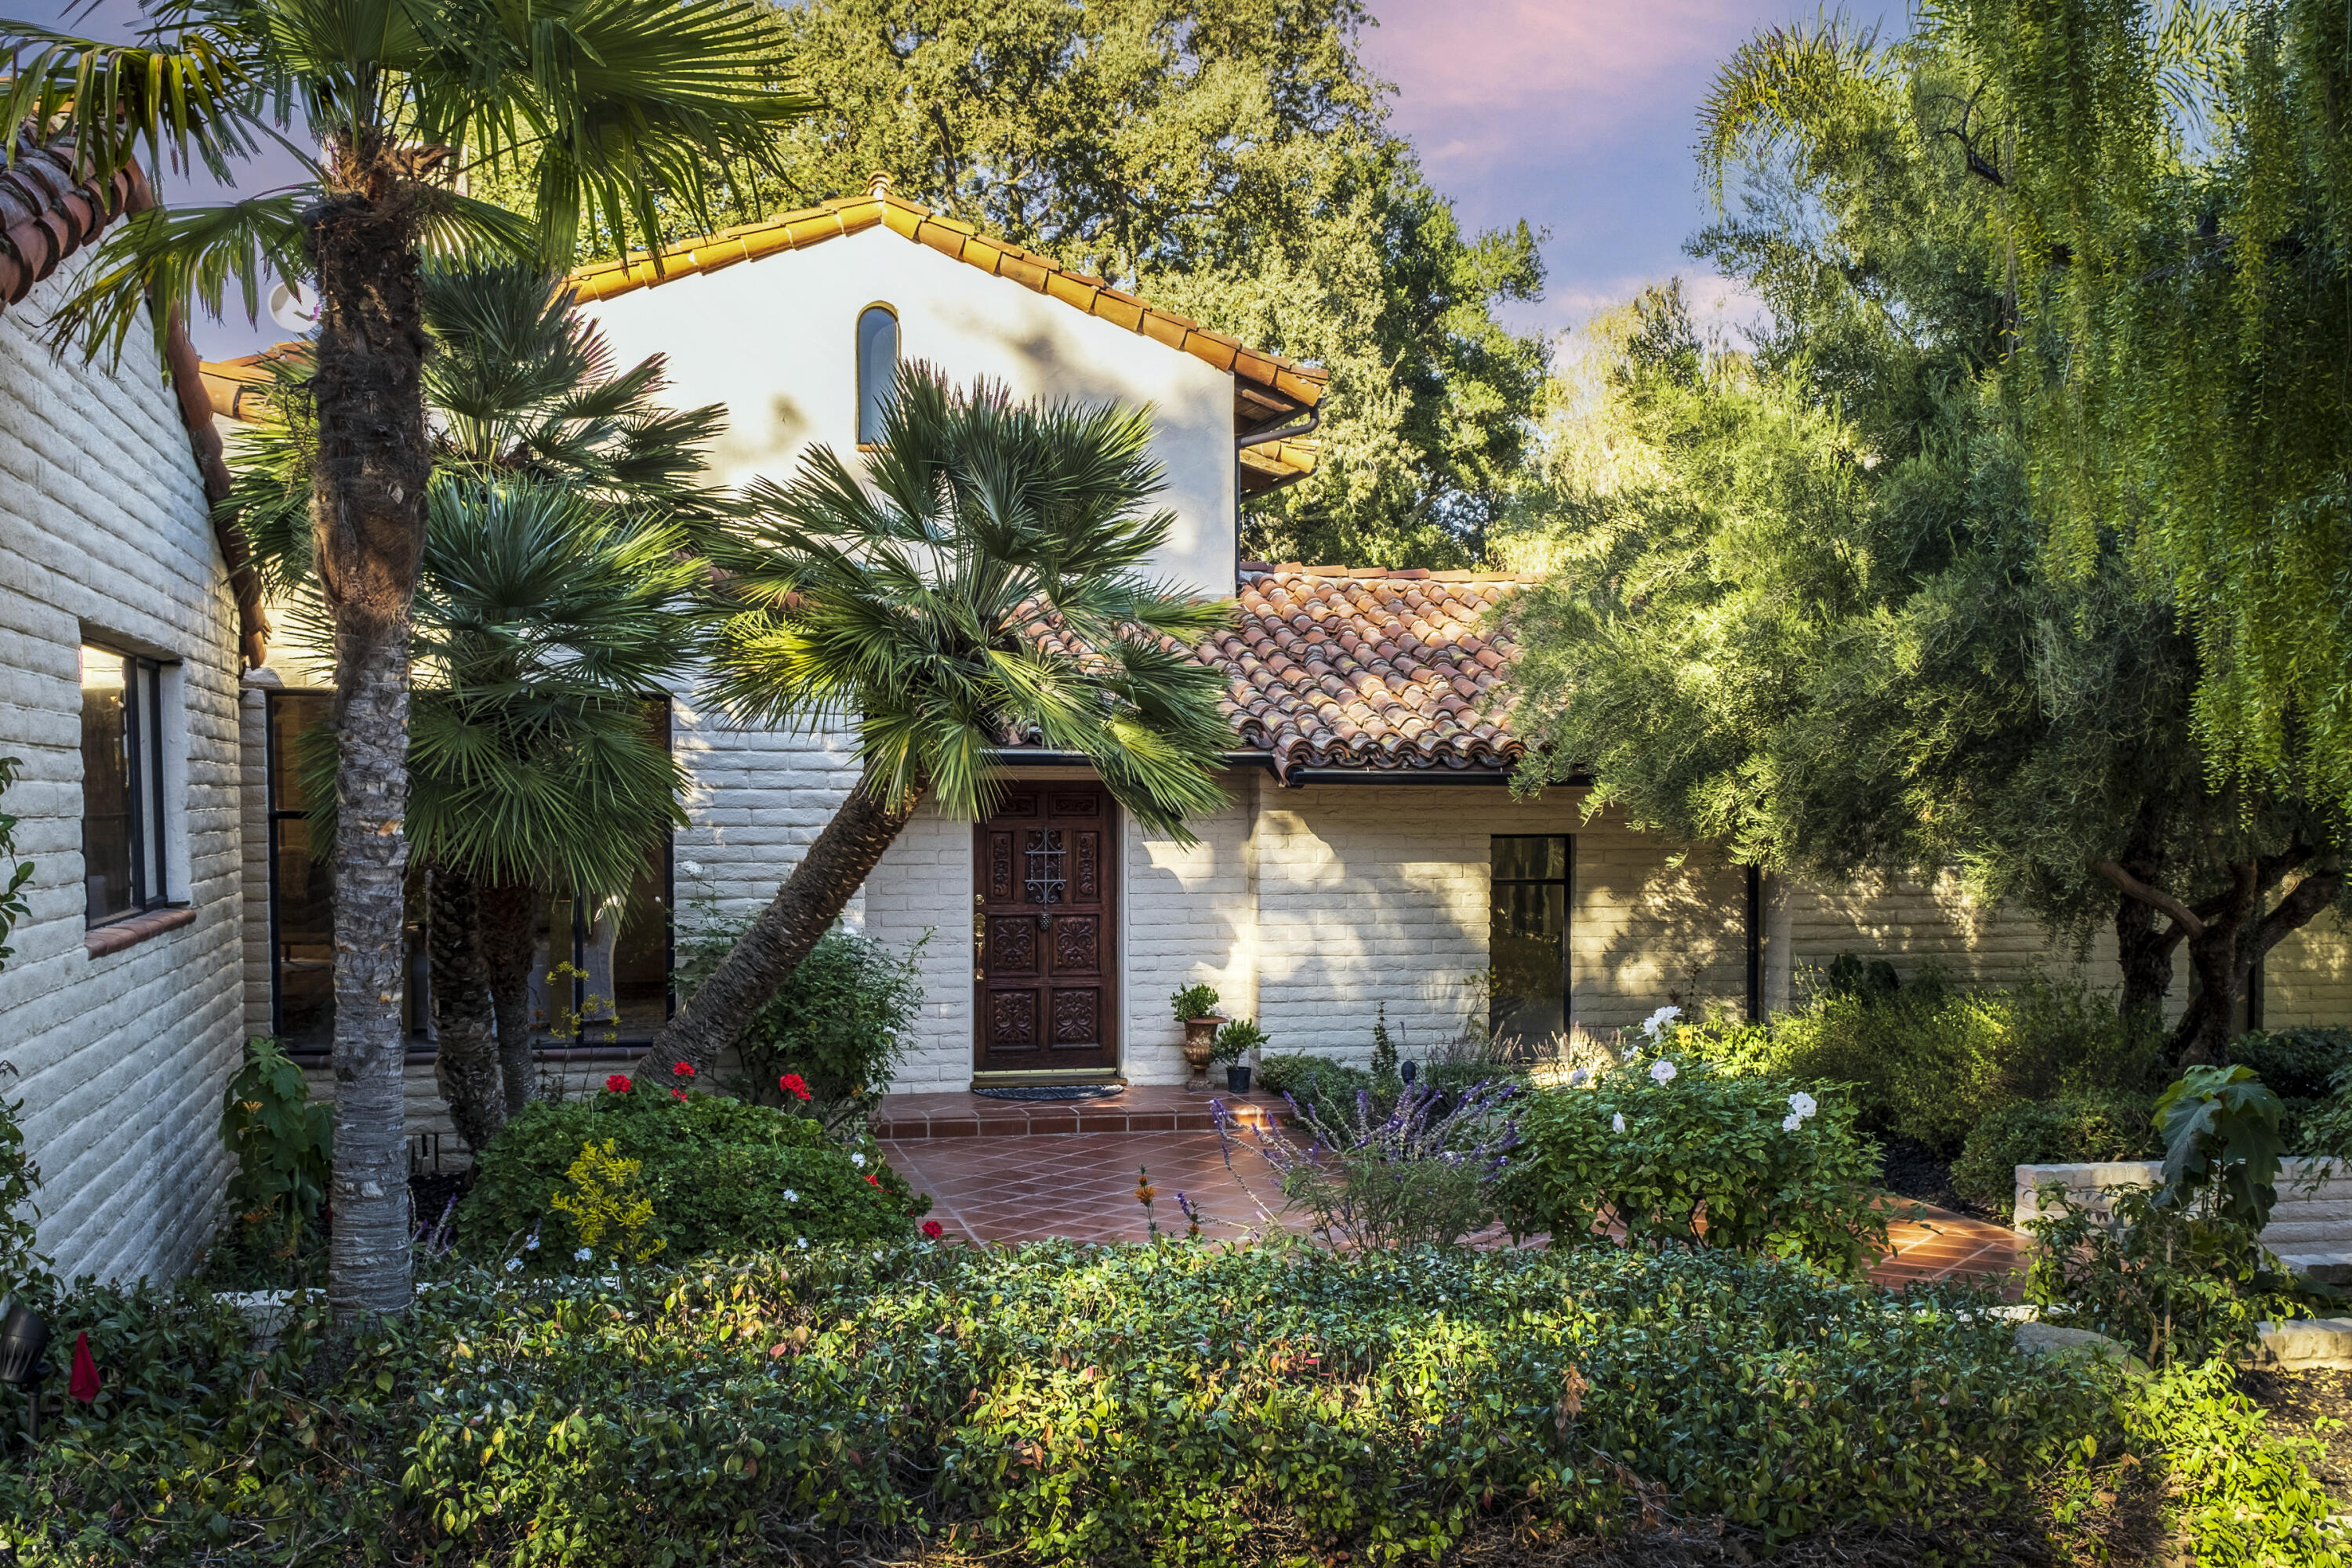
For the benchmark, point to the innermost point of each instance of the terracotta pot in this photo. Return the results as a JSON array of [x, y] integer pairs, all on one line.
[[1200, 1049]]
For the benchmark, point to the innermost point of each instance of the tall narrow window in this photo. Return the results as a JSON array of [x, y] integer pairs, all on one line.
[[1527, 939], [301, 896], [877, 370], [123, 846]]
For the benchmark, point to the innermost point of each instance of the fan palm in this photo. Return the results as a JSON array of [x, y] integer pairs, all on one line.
[[620, 103], [981, 585], [551, 597]]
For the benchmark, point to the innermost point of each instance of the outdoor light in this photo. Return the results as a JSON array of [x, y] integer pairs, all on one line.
[[23, 1337]]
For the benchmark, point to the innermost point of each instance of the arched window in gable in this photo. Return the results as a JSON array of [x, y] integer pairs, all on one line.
[[878, 369]]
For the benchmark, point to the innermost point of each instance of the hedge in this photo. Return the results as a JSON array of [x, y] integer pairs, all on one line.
[[1058, 1405]]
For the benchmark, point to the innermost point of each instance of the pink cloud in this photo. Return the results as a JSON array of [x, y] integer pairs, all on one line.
[[1450, 56]]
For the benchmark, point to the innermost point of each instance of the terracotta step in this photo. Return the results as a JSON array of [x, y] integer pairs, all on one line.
[[1145, 1108]]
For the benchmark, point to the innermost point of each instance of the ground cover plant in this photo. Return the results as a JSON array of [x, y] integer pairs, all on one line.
[[722, 1177], [1066, 1405]]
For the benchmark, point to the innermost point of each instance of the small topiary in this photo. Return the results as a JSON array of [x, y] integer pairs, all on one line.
[[2074, 1129], [724, 1177]]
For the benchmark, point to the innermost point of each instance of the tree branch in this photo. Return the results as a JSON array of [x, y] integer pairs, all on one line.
[[2302, 904], [2155, 897]]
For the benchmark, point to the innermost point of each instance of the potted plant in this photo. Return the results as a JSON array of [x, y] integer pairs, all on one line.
[[1234, 1041], [1196, 1009]]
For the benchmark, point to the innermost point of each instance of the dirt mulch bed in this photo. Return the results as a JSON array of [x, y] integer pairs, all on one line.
[[2314, 1404]]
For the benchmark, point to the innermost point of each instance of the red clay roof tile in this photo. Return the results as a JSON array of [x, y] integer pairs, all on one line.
[[1321, 673]]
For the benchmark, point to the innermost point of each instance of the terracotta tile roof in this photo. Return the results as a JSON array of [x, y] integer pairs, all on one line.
[[48, 211], [1339, 667]]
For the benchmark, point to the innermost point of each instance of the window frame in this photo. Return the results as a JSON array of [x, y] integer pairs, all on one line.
[[857, 364], [1566, 883], [142, 764], [277, 813]]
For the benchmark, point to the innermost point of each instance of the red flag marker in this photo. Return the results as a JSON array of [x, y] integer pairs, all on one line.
[[83, 1385]]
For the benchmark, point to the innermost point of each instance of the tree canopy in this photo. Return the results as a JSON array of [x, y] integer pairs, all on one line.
[[1810, 604]]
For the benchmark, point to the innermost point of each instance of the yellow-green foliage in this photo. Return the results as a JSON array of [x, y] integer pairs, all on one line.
[[608, 1202]]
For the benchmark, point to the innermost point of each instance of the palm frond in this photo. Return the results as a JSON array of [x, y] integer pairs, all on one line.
[[980, 588], [197, 253], [1777, 83]]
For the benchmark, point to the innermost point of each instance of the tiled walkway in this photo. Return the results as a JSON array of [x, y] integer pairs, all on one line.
[[1082, 1185]]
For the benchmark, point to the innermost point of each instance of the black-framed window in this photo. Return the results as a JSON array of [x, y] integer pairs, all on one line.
[[1529, 905], [301, 892], [125, 841], [600, 975], [877, 370]]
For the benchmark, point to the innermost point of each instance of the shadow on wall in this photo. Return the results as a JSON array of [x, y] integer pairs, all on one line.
[[1917, 925], [1678, 935]]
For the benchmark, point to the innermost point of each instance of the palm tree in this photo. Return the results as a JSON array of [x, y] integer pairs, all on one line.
[[981, 585], [552, 596], [620, 103]]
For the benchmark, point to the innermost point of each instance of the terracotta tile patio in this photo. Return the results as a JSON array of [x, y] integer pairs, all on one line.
[[1081, 1184]]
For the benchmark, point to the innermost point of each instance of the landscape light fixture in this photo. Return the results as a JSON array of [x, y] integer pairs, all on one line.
[[23, 1337]]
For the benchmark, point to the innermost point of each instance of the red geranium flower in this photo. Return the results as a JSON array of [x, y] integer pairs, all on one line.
[[678, 1094], [682, 1069], [872, 1180], [617, 1084], [793, 1084], [933, 1229]]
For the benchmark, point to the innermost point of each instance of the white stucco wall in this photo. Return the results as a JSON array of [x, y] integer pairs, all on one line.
[[121, 1059], [774, 341]]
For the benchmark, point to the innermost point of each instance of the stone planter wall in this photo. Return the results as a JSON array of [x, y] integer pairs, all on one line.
[[2311, 1229]]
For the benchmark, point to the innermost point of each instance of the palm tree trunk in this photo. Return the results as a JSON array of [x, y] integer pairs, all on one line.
[[368, 511], [508, 914], [765, 956], [466, 1064]]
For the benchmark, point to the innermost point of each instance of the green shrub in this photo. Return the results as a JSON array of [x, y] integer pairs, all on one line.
[[2072, 1130], [1065, 1405], [1693, 1157], [840, 1023], [284, 1146], [718, 1171], [1319, 1086], [2176, 1287], [1929, 1062], [2297, 1064]]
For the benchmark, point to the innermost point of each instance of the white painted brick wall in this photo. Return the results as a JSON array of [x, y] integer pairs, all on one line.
[[924, 885], [121, 1059]]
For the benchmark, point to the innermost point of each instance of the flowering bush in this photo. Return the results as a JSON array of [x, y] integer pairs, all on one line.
[[839, 1025], [1688, 1156], [724, 1177]]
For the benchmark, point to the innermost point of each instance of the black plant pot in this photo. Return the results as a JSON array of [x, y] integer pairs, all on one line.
[[1237, 1078]]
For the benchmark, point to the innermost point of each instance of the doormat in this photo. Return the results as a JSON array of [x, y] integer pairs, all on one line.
[[1050, 1091]]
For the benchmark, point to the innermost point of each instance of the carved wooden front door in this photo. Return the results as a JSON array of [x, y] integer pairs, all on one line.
[[1045, 917]]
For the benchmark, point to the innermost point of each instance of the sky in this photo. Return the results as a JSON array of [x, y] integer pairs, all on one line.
[[1576, 115], [1579, 116]]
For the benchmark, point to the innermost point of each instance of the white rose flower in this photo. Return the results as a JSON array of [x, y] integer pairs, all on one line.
[[1663, 1071], [1617, 1123], [801, 1244], [584, 1255], [1660, 1020], [1803, 1104], [858, 1160], [1791, 1121], [791, 1197]]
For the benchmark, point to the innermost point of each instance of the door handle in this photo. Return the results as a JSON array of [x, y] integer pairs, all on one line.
[[980, 945], [1044, 919]]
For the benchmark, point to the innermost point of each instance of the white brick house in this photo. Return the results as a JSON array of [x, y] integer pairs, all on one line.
[[121, 630], [1370, 855]]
